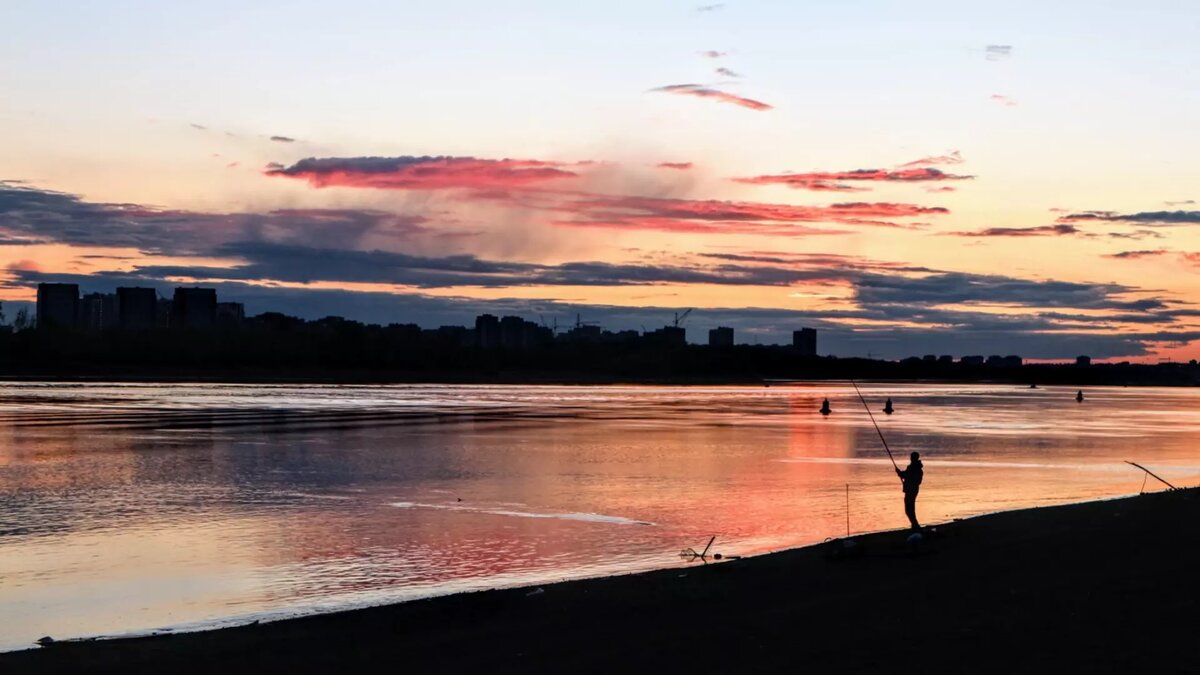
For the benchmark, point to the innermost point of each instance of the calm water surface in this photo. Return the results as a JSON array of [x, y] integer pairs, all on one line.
[[133, 508]]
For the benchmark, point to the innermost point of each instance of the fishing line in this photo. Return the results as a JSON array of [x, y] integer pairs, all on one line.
[[877, 429]]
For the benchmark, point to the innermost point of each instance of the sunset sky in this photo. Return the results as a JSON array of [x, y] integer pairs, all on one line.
[[909, 178]]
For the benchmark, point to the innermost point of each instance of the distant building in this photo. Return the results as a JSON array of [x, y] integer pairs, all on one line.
[[98, 311], [1083, 360], [720, 337], [230, 314], [57, 305], [929, 358], [457, 336], [1003, 361], [136, 308], [805, 341], [583, 333], [162, 313], [971, 360], [487, 331], [945, 358], [621, 336], [671, 336], [194, 308], [518, 333]]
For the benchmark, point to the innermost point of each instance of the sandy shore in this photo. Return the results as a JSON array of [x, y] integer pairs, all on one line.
[[1099, 587]]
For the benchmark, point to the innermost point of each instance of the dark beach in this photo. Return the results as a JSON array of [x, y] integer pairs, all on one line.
[[1097, 587]]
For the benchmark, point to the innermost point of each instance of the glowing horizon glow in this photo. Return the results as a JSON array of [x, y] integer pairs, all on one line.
[[923, 165]]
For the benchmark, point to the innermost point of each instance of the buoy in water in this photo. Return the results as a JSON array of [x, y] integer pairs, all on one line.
[[825, 407], [1079, 396], [887, 407]]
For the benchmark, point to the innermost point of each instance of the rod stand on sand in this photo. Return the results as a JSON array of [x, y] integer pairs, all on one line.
[[1151, 473], [702, 555]]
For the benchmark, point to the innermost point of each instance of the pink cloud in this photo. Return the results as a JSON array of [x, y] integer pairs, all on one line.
[[421, 173], [729, 217], [715, 94], [679, 166], [700, 227], [24, 266], [1003, 100]]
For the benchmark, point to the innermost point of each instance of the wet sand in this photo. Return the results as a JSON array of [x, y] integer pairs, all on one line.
[[1098, 587]]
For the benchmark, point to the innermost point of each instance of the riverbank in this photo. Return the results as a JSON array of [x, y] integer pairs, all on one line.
[[1096, 587]]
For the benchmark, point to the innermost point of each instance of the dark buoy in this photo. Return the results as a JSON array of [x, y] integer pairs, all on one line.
[[1033, 386], [825, 408], [887, 407], [1079, 396]]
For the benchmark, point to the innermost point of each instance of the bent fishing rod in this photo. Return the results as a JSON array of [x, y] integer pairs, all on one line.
[[877, 429]]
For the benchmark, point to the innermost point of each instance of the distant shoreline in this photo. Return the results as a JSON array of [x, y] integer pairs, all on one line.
[[515, 379], [1101, 586]]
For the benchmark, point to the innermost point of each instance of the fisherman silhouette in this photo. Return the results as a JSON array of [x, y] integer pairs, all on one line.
[[1079, 396], [825, 407], [887, 407], [911, 477]]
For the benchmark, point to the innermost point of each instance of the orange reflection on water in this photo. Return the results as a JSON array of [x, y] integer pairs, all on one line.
[[134, 507]]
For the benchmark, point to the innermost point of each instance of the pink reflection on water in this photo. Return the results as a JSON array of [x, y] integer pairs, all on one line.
[[132, 507]]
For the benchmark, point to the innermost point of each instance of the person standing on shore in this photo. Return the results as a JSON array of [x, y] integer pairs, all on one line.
[[911, 477]]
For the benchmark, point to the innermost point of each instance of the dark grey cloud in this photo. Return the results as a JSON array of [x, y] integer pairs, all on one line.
[[1135, 234], [1059, 230], [283, 139], [301, 264], [958, 288], [753, 325], [28, 213], [895, 306], [1138, 254], [1150, 218]]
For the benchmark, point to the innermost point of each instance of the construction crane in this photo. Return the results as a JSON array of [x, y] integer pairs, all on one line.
[[580, 322], [680, 318]]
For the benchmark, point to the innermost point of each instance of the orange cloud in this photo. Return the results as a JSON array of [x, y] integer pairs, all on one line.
[[680, 166]]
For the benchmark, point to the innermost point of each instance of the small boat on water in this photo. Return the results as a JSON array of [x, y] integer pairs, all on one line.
[[887, 407], [1033, 386], [825, 408], [1079, 396]]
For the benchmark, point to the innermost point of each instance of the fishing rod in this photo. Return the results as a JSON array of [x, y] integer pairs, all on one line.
[[877, 429], [1151, 473]]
